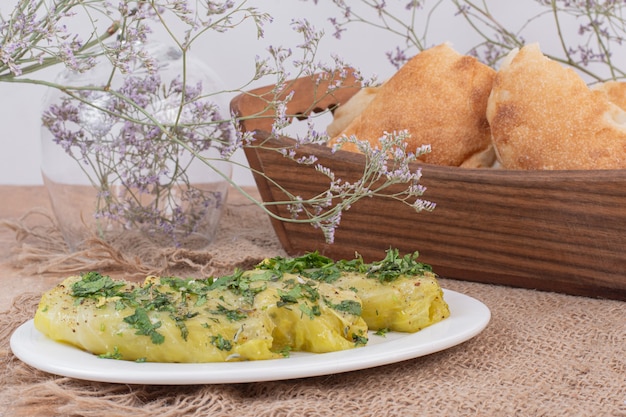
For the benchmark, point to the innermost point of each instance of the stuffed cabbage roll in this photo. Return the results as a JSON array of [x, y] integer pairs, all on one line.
[[238, 317], [398, 293]]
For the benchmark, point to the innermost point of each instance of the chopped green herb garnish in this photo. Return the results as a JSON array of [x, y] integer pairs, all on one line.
[[289, 297], [221, 343], [323, 269], [359, 340], [180, 284], [141, 321], [285, 351], [201, 300], [394, 266], [232, 315], [94, 284], [160, 302], [347, 306], [297, 265], [310, 292], [239, 283], [382, 332], [312, 312], [179, 320], [112, 355], [298, 291]]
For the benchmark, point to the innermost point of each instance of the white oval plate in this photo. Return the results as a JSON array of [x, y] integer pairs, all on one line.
[[468, 317]]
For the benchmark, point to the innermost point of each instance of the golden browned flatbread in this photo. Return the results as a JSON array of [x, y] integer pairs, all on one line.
[[483, 159], [347, 112], [615, 92], [544, 116], [440, 97]]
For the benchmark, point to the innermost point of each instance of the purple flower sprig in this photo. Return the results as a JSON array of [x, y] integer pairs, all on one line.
[[386, 165], [409, 20], [140, 172], [599, 33], [137, 140], [35, 35], [589, 35]]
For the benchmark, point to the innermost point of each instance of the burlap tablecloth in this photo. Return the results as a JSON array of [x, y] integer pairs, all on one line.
[[543, 354]]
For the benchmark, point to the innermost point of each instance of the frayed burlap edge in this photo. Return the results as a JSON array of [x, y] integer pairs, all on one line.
[[243, 239]]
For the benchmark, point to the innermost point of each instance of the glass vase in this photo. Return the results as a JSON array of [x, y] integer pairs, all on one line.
[[139, 156]]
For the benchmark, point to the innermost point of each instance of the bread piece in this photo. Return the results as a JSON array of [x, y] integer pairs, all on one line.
[[440, 97], [347, 112], [544, 116], [615, 92], [483, 159]]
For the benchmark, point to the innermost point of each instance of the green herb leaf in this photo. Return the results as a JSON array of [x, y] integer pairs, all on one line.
[[232, 315], [94, 284], [285, 351], [111, 355], [221, 343], [382, 332], [347, 306], [289, 297], [394, 266], [239, 283], [323, 269], [359, 340], [311, 265], [141, 321], [311, 311]]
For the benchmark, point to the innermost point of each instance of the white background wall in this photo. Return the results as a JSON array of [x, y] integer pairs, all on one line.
[[232, 56]]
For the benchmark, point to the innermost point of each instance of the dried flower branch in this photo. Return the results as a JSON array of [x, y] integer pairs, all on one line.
[[123, 146], [386, 165], [144, 130], [591, 49], [601, 29]]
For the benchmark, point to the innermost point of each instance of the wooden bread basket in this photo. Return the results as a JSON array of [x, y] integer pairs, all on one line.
[[561, 231]]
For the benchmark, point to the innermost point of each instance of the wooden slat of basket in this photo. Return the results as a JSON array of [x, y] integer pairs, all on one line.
[[311, 94]]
